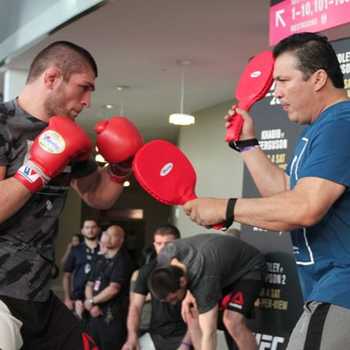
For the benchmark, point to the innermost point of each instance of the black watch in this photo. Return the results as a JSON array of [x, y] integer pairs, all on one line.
[[239, 145]]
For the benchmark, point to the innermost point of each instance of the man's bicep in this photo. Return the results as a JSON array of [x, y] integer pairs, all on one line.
[[137, 300], [319, 193]]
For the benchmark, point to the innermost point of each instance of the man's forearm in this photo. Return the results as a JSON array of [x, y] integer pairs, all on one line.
[[13, 195], [133, 322], [66, 285], [209, 341], [282, 212], [106, 294], [97, 189], [88, 291]]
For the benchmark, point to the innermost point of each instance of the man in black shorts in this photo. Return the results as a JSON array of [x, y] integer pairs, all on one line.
[[41, 156], [216, 271]]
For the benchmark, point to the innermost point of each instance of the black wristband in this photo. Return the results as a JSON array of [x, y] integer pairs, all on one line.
[[231, 203], [239, 145]]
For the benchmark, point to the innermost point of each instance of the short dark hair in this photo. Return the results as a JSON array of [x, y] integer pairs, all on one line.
[[167, 229], [68, 57], [313, 52], [89, 219], [164, 280]]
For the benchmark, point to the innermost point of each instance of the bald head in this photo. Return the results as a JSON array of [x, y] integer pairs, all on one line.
[[116, 236]]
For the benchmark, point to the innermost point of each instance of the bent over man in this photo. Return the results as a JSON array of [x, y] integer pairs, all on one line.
[[216, 271]]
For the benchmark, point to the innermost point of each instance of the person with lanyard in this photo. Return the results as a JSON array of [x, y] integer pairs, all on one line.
[[78, 266], [107, 293]]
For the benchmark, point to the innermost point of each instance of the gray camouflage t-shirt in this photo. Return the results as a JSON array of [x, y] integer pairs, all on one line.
[[27, 238], [213, 262]]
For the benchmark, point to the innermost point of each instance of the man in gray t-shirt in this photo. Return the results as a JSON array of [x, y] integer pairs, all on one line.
[[44, 153], [216, 271]]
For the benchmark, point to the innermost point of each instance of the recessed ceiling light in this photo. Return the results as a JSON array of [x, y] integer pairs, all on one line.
[[181, 119]]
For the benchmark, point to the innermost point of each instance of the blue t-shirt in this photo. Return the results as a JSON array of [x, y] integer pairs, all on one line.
[[322, 251]]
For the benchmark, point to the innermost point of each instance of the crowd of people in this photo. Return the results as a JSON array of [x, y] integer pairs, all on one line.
[[190, 283]]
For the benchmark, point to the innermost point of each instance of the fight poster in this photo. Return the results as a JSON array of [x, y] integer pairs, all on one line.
[[280, 302]]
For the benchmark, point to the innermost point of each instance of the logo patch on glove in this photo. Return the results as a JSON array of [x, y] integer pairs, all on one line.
[[52, 142], [29, 173], [167, 168]]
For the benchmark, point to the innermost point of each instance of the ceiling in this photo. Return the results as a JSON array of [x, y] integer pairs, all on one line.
[[137, 43]]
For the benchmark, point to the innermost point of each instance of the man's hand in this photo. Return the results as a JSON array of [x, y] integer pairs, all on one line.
[[79, 308], [188, 304], [87, 304], [69, 303], [248, 130], [132, 343], [206, 211], [95, 311]]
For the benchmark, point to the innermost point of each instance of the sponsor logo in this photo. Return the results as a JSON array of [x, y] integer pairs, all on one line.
[[52, 142], [267, 341], [236, 306], [237, 300], [255, 74], [29, 173], [167, 168]]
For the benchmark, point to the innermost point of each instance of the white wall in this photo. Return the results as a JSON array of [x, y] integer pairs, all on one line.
[[219, 168]]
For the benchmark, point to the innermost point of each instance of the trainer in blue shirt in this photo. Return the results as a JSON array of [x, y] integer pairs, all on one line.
[[312, 199]]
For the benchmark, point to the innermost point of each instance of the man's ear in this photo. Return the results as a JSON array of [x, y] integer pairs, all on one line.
[[320, 78], [52, 77]]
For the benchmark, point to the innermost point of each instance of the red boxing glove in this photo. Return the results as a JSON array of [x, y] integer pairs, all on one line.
[[59, 143], [118, 140]]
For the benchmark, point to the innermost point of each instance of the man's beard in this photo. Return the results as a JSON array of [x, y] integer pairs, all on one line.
[[91, 238], [53, 104]]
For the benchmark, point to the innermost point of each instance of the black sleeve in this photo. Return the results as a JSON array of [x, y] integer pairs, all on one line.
[[141, 283], [83, 168], [69, 264], [4, 148], [121, 271], [96, 267]]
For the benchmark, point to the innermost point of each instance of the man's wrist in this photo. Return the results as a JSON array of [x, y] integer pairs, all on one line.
[[244, 145], [230, 208], [91, 301], [118, 176]]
